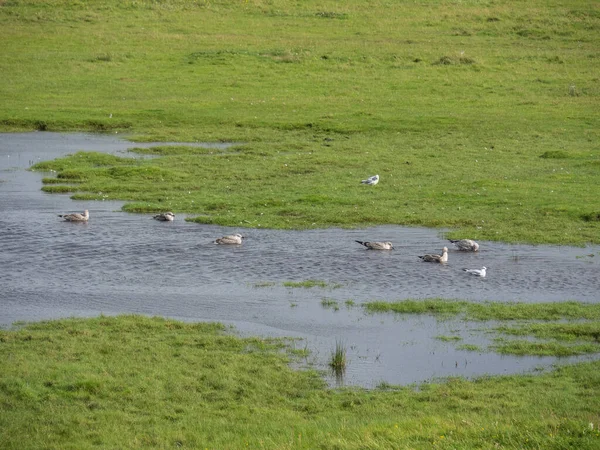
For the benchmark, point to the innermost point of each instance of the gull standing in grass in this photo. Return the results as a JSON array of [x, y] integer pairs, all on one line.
[[436, 258], [465, 245], [232, 239], [371, 181], [377, 245], [479, 272], [76, 217], [165, 217]]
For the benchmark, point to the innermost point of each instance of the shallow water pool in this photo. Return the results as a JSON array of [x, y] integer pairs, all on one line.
[[128, 263]]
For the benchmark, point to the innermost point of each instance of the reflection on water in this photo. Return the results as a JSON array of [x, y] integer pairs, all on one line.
[[128, 263]]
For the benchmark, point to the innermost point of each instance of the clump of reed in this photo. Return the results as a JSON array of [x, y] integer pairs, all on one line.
[[338, 358]]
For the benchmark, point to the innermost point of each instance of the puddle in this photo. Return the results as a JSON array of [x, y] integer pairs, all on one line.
[[129, 263]]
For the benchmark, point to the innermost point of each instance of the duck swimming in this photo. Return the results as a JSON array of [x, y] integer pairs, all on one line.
[[443, 258], [377, 245], [231, 239], [479, 272], [165, 217], [465, 245], [76, 217]]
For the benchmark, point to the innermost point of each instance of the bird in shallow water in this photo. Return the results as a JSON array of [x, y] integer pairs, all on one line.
[[165, 217], [234, 239], [479, 272], [377, 245], [436, 258], [465, 245], [76, 217], [371, 181]]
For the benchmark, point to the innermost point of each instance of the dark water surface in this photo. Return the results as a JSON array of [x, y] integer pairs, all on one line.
[[129, 263]]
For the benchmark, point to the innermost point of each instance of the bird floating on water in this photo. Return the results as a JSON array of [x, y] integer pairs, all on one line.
[[436, 258], [165, 217], [377, 245], [371, 181], [465, 245], [76, 217], [479, 272], [234, 239]]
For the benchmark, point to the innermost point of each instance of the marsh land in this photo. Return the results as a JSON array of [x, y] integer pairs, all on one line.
[[481, 118]]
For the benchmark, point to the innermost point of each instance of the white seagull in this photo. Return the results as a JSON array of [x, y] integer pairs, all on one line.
[[234, 239], [436, 258], [165, 217], [371, 181], [465, 245], [76, 217], [377, 245], [478, 272]]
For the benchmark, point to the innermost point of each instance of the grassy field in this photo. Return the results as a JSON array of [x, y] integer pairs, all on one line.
[[478, 115], [134, 382]]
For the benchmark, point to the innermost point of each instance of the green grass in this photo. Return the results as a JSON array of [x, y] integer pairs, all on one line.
[[136, 382], [478, 116]]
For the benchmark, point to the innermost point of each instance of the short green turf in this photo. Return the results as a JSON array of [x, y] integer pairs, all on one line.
[[136, 382]]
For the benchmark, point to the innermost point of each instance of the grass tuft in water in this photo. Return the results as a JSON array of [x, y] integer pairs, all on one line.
[[330, 303], [338, 361]]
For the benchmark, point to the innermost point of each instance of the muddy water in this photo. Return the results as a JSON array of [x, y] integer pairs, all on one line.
[[129, 263]]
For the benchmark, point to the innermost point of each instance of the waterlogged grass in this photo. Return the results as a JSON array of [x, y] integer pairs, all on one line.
[[489, 310], [264, 284], [469, 347], [477, 116], [426, 306], [552, 329], [550, 339], [308, 284], [564, 331], [536, 348], [444, 338], [329, 303], [135, 382]]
